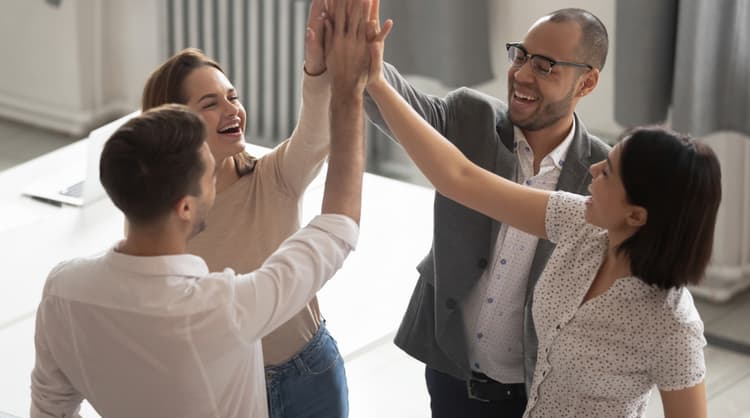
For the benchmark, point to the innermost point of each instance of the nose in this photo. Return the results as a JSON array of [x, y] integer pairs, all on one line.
[[524, 73], [231, 108], [594, 169]]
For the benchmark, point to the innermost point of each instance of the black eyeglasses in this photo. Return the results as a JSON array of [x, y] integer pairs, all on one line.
[[518, 55]]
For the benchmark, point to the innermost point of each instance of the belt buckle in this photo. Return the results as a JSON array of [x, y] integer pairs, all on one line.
[[470, 389]]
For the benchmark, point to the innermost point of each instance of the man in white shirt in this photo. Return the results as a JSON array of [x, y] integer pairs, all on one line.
[[144, 330]]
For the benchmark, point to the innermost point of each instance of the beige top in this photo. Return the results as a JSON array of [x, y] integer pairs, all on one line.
[[254, 215]]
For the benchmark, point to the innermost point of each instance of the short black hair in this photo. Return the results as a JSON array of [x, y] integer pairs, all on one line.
[[594, 44], [153, 161], [678, 181]]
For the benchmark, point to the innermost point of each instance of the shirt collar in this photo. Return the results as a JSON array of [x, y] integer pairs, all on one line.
[[163, 265], [557, 155]]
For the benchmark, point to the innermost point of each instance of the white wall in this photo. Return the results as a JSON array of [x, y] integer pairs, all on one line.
[[72, 66]]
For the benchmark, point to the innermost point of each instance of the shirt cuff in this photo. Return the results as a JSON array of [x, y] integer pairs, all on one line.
[[340, 226]]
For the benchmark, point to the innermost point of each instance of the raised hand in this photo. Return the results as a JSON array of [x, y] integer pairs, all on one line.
[[315, 60], [348, 56], [376, 39]]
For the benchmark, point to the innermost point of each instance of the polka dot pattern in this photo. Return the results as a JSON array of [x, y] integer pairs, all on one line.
[[604, 357]]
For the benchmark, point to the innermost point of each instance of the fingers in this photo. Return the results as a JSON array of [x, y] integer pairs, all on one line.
[[375, 11], [340, 16], [384, 31], [328, 35], [316, 18], [355, 12], [317, 9], [364, 20]]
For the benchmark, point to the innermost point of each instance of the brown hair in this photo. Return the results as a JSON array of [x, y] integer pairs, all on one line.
[[153, 161], [678, 181], [165, 85]]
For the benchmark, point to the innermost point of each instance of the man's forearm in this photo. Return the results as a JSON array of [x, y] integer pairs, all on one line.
[[343, 190]]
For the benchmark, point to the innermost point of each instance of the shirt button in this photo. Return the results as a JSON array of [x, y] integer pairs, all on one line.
[[450, 304], [479, 336], [503, 261], [482, 263], [528, 182], [490, 300]]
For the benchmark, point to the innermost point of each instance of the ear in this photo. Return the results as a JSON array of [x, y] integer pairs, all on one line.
[[184, 208], [637, 216], [588, 82]]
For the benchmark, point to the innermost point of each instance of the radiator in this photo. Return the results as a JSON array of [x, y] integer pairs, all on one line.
[[729, 272], [259, 43]]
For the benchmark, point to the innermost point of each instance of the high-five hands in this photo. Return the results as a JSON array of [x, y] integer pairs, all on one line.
[[376, 40], [315, 53], [348, 59], [375, 35]]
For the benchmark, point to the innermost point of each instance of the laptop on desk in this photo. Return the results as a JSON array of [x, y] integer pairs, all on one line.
[[79, 185]]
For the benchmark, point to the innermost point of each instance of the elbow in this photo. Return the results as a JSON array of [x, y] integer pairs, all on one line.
[[454, 181]]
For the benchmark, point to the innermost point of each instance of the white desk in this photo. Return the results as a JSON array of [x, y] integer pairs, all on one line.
[[363, 303]]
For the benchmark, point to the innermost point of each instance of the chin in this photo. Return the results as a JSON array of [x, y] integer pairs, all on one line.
[[588, 216]]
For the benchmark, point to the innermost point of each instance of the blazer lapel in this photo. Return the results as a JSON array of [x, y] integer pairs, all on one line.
[[575, 177]]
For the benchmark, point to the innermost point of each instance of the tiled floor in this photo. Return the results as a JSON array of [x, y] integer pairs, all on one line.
[[385, 382]]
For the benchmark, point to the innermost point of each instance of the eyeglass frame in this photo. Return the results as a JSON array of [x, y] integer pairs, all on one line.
[[552, 62]]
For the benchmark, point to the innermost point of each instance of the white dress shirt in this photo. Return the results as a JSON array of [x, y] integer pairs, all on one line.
[[494, 308], [602, 358], [163, 337]]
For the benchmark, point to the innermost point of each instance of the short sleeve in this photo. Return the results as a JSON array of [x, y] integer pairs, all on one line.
[[564, 215], [679, 362]]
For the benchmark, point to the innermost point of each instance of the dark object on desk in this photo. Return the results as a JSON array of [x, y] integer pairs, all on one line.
[[48, 201], [54, 2]]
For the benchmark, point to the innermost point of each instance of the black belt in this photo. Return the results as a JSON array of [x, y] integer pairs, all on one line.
[[483, 388]]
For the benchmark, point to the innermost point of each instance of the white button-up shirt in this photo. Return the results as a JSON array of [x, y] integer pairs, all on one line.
[[494, 309], [602, 358], [163, 337]]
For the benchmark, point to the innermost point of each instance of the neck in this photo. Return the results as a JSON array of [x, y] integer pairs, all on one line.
[[543, 141], [616, 262], [226, 174], [153, 241]]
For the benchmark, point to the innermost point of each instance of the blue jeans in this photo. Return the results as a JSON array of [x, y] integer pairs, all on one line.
[[311, 384]]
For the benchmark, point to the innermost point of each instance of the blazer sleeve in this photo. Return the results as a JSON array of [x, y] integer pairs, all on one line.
[[433, 109]]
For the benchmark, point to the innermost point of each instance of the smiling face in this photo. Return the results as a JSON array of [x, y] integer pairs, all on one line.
[[540, 101], [209, 93]]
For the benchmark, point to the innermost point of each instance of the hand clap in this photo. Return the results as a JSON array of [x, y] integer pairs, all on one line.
[[348, 57]]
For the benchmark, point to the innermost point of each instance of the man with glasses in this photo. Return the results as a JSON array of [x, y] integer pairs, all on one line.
[[469, 319]]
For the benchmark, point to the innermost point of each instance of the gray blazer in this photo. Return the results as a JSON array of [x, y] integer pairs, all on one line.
[[432, 330]]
